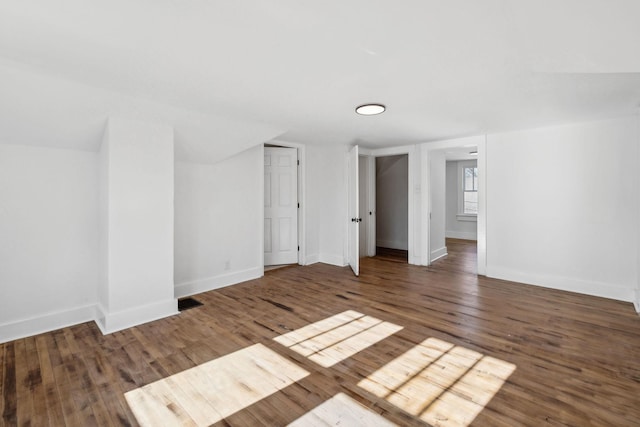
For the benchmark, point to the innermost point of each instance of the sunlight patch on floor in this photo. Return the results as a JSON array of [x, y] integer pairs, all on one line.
[[338, 337], [207, 393], [341, 410], [442, 384]]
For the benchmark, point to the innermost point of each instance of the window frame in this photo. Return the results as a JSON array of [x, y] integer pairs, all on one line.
[[461, 215]]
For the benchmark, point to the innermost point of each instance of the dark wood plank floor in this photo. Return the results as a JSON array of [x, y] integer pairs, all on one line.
[[577, 357], [388, 254]]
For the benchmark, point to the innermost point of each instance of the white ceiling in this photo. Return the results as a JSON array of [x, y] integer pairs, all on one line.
[[460, 153], [245, 71]]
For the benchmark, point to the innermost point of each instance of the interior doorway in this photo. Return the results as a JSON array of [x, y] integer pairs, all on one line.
[[366, 194], [454, 203], [364, 206], [392, 206], [283, 194], [453, 178]]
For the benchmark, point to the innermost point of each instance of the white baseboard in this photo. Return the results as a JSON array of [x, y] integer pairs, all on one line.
[[337, 260], [636, 302], [464, 235], [210, 283], [312, 259], [415, 260], [46, 323], [109, 322], [438, 253], [392, 244], [597, 289]]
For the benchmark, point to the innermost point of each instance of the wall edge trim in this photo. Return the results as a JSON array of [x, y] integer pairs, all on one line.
[[198, 286], [597, 289], [46, 322]]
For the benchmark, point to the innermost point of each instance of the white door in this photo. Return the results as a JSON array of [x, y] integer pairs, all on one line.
[[354, 214], [280, 206]]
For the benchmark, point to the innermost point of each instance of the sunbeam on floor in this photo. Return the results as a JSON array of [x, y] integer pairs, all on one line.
[[442, 384], [435, 381], [338, 337], [341, 410], [207, 393]]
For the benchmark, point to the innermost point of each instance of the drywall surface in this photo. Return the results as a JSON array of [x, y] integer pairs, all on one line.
[[218, 217], [392, 202], [334, 218], [138, 166], [562, 207], [437, 176], [326, 196], [48, 238], [314, 173], [456, 228]]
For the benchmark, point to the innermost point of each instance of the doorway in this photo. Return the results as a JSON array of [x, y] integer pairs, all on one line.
[[392, 206], [366, 218], [283, 194], [455, 198], [453, 177]]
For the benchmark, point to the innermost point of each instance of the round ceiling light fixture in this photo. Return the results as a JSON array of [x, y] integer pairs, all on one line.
[[370, 109]]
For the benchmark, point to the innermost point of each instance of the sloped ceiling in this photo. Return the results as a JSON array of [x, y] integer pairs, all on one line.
[[230, 74]]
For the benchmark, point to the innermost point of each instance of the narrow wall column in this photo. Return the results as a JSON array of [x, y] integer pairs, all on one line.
[[636, 301], [136, 184]]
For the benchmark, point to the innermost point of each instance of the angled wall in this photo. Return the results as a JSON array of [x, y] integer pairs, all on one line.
[[218, 213]]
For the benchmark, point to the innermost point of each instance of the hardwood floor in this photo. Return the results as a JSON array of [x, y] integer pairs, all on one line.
[[389, 254], [571, 359]]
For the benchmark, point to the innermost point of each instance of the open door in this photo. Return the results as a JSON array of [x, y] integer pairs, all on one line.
[[354, 213]]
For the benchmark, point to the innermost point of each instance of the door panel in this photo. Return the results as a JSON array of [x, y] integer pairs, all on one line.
[[280, 206]]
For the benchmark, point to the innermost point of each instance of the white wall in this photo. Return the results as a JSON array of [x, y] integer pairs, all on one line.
[[313, 170], [333, 213], [138, 224], [103, 222], [48, 238], [562, 209], [392, 202], [454, 227], [218, 217], [438, 203], [326, 195], [637, 180]]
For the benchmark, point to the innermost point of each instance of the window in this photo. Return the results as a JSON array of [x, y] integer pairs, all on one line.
[[470, 190], [467, 190]]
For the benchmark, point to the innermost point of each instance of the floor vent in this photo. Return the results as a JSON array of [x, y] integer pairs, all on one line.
[[187, 303]]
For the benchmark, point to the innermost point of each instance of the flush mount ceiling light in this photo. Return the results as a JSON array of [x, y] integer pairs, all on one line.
[[370, 109]]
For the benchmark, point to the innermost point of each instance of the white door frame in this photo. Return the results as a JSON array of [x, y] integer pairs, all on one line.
[[370, 211], [301, 199], [481, 143], [413, 244], [353, 200]]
